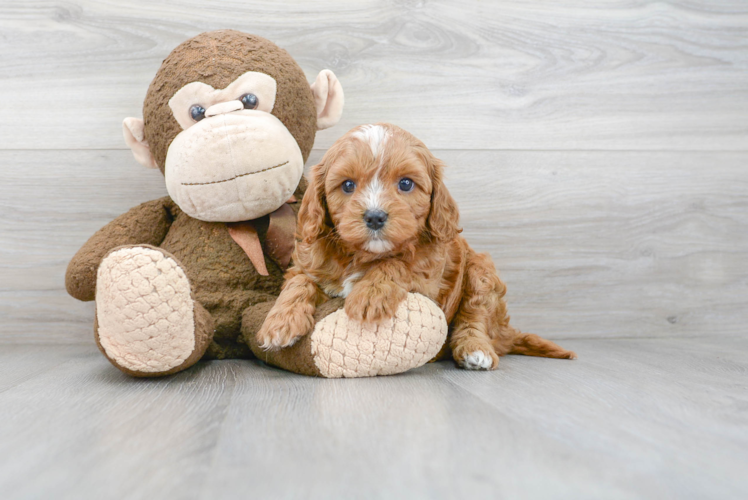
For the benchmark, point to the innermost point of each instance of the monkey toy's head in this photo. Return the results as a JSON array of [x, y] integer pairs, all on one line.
[[230, 120]]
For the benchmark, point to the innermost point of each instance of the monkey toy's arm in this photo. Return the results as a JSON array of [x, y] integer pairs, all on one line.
[[146, 224]]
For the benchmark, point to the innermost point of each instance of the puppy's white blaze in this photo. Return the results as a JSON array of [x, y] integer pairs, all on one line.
[[373, 195], [378, 246], [374, 135]]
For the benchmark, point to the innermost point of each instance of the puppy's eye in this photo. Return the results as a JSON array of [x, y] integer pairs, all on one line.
[[348, 186], [197, 112], [406, 184], [249, 101]]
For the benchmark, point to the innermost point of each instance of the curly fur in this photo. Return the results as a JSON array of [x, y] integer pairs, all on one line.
[[419, 249]]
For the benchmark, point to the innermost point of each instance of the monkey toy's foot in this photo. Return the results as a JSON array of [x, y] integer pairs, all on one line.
[[341, 347], [147, 323]]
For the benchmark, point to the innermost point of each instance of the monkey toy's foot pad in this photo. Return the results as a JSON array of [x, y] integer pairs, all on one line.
[[342, 347], [144, 310]]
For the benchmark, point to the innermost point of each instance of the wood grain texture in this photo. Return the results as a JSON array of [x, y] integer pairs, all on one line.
[[598, 152], [642, 418], [629, 74], [590, 244]]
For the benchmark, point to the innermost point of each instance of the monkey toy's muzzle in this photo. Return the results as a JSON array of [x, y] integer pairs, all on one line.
[[233, 167]]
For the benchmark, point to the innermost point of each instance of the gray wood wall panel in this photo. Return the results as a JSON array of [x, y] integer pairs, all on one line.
[[598, 150], [591, 244], [629, 74]]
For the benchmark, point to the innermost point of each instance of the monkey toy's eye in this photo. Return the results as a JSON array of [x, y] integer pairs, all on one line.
[[250, 101], [406, 185], [348, 186], [197, 112]]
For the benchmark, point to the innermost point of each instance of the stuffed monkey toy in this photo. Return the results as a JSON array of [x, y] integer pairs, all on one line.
[[229, 119]]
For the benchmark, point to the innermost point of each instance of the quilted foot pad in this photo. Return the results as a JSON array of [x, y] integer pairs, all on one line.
[[144, 310], [342, 347]]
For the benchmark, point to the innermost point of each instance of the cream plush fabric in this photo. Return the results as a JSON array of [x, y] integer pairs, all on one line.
[[144, 310], [345, 348], [228, 168]]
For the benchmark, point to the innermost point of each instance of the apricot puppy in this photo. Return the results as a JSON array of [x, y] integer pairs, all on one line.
[[376, 223]]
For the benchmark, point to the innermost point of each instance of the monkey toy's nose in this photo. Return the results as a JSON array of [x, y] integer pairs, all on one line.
[[223, 108], [375, 219]]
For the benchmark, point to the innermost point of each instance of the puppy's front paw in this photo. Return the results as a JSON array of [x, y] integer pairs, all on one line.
[[373, 304], [283, 329], [475, 354]]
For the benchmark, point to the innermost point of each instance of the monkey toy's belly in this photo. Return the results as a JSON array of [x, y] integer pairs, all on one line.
[[222, 277]]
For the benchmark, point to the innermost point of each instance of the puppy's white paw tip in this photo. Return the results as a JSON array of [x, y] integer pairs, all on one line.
[[276, 344], [477, 360]]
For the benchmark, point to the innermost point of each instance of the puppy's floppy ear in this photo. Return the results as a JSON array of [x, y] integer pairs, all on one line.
[[313, 211], [444, 217]]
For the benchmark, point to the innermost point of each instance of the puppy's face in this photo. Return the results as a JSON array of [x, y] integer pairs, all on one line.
[[378, 189]]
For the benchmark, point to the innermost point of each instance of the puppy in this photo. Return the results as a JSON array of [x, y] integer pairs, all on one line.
[[377, 222]]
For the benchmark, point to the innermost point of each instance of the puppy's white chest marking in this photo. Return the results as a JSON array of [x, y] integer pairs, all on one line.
[[375, 136], [336, 291], [348, 284]]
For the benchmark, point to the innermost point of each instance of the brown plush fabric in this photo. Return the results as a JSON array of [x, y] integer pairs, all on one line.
[[145, 224], [222, 277], [217, 58], [223, 281]]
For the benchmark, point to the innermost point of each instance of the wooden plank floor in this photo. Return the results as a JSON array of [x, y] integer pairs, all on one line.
[[636, 418]]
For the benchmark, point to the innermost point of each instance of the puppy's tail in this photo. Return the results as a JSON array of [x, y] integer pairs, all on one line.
[[530, 344]]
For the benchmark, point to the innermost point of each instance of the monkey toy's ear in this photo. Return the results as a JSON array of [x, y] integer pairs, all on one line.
[[328, 98], [132, 128]]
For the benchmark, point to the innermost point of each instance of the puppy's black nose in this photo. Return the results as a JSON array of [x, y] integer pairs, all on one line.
[[375, 219]]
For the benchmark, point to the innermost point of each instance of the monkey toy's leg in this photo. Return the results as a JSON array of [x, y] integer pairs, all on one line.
[[147, 322], [341, 347]]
